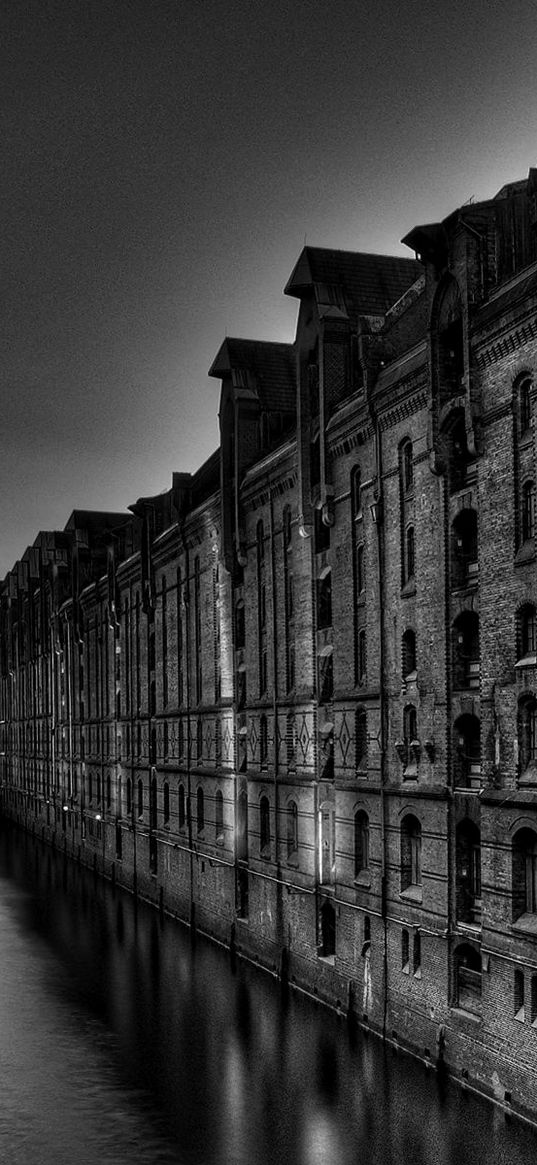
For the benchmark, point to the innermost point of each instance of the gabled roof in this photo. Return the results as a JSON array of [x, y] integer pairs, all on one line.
[[271, 369], [369, 283]]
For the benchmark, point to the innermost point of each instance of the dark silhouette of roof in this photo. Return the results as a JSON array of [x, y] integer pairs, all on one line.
[[370, 283], [271, 369]]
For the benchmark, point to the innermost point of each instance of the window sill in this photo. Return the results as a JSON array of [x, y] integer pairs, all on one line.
[[363, 880], [526, 924], [408, 589], [526, 553], [412, 894], [526, 661], [462, 1013]]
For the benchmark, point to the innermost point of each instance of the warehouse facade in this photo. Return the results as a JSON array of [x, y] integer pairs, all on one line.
[[293, 699]]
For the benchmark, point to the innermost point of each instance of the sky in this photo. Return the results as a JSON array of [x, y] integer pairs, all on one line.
[[163, 163]]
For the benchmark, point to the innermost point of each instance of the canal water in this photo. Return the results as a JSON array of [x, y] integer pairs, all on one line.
[[121, 1042]]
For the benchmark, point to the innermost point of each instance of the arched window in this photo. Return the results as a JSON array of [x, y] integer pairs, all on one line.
[[464, 560], [524, 873], [526, 632], [362, 655], [465, 650], [241, 687], [140, 799], [200, 804], [239, 625], [409, 653], [410, 724], [410, 852], [405, 952], [219, 816], [263, 740], [181, 807], [528, 511], [468, 871], [356, 492], [286, 522], [467, 751], [524, 406], [291, 740], [361, 842], [264, 826], [361, 738], [292, 829], [326, 675], [324, 600], [360, 569], [527, 732], [467, 978], [153, 804], [242, 827], [409, 562], [406, 466], [166, 803]]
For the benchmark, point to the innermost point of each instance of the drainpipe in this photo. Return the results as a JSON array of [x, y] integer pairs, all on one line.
[[377, 515], [186, 594]]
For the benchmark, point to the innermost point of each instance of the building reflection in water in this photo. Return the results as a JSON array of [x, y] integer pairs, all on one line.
[[123, 1041]]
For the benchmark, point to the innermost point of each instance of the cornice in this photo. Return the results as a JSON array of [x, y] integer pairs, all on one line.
[[505, 345], [405, 408]]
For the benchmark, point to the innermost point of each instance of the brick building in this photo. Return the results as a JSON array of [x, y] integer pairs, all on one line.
[[293, 699]]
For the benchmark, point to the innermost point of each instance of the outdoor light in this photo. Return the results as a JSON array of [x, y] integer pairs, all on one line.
[[375, 510]]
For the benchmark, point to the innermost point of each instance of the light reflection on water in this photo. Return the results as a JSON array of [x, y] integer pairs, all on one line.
[[120, 1042]]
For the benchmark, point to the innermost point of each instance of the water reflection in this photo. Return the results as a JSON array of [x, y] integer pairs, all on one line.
[[123, 1042]]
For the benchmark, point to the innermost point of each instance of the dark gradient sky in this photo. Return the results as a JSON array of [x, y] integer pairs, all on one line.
[[162, 163]]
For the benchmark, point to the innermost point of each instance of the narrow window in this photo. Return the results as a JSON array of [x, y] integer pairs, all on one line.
[[181, 807], [528, 511], [324, 600], [405, 952], [410, 852], [527, 733], [361, 739], [362, 655], [292, 829], [409, 653], [200, 810], [527, 637], [361, 842], [518, 996], [407, 467], [291, 741], [524, 407], [356, 492], [263, 741], [166, 805], [140, 799], [129, 797], [534, 1000], [409, 554], [360, 569], [264, 826], [199, 740], [219, 816], [417, 953]]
